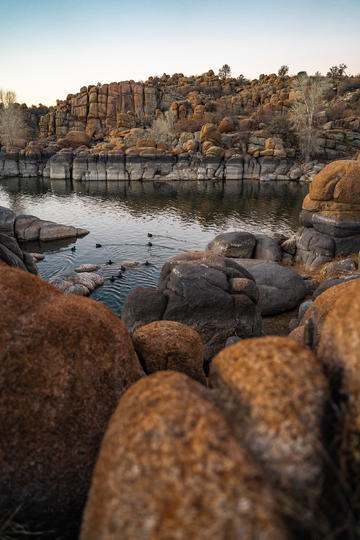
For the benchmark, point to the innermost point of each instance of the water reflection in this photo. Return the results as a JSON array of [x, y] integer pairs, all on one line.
[[182, 216]]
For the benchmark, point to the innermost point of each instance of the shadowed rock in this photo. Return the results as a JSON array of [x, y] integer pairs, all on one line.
[[12, 255], [339, 350], [165, 345], [64, 363]]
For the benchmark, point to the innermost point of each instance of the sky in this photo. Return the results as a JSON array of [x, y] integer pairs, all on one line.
[[50, 48]]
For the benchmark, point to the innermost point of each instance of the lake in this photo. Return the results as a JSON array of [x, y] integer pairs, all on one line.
[[181, 216]]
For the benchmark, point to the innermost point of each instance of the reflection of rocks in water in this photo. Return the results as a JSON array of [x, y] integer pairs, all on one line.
[[210, 202], [61, 187], [41, 247]]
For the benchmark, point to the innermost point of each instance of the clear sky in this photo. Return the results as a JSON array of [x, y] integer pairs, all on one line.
[[50, 48]]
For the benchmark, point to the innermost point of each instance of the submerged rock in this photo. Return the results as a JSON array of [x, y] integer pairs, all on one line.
[[81, 284], [87, 268]]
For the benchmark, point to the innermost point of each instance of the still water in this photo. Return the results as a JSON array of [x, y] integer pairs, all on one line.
[[181, 216]]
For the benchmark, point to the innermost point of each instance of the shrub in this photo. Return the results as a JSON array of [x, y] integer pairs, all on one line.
[[210, 106], [336, 111]]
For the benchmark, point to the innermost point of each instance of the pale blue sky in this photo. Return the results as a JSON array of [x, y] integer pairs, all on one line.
[[50, 48]]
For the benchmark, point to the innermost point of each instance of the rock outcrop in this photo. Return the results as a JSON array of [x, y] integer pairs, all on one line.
[[212, 294], [170, 467], [330, 216], [64, 363]]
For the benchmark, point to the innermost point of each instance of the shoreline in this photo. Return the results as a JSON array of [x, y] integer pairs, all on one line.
[[88, 166]]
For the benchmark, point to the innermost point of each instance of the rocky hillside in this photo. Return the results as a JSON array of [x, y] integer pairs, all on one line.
[[172, 111]]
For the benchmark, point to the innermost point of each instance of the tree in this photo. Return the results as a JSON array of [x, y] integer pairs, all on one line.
[[336, 73], [284, 70], [224, 72], [309, 101], [12, 123]]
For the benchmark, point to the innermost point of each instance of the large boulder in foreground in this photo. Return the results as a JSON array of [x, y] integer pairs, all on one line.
[[170, 468], [276, 390], [171, 345], [331, 215], [211, 294], [64, 363], [339, 350], [280, 288]]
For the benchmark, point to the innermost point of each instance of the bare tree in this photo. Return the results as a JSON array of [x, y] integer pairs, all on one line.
[[12, 123], [309, 101], [163, 128]]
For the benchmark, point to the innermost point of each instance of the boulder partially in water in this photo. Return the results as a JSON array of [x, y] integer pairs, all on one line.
[[30, 228], [194, 289]]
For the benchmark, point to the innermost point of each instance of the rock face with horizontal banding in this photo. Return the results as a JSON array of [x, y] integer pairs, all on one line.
[[330, 217]]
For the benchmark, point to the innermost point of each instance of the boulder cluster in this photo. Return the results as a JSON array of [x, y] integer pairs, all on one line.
[[170, 433]]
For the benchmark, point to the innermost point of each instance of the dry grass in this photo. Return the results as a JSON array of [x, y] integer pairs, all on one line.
[[12, 529]]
